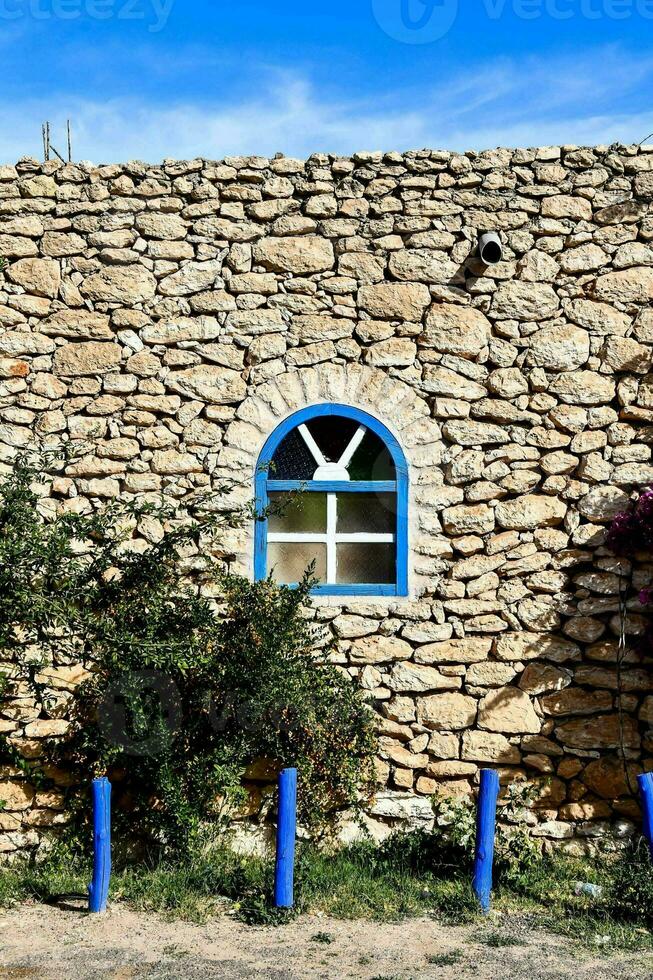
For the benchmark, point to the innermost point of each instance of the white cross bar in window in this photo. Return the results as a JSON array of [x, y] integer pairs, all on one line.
[[346, 457]]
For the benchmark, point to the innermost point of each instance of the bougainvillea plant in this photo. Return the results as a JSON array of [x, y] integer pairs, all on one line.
[[632, 530], [630, 535]]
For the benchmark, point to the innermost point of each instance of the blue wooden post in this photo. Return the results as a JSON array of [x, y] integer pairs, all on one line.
[[485, 827], [98, 890], [645, 782], [284, 870]]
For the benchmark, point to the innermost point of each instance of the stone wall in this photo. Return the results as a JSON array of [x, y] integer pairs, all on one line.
[[166, 318]]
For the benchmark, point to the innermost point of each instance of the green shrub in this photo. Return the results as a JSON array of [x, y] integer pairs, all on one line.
[[254, 691], [516, 852], [180, 700]]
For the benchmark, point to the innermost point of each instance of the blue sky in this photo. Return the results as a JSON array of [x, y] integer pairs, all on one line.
[[153, 78]]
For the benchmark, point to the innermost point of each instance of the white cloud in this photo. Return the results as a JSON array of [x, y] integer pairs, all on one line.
[[585, 100]]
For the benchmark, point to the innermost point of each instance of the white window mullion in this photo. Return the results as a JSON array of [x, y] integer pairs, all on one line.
[[312, 445], [346, 457], [332, 520]]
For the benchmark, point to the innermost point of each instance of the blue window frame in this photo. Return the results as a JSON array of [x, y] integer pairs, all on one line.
[[341, 481]]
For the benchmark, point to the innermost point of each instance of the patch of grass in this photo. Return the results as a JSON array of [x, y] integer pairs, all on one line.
[[497, 940], [617, 921], [218, 880], [359, 882], [445, 959], [58, 874], [384, 883], [363, 882], [404, 877], [174, 951], [456, 904]]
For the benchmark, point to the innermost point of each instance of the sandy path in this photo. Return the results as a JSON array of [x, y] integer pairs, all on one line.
[[42, 942]]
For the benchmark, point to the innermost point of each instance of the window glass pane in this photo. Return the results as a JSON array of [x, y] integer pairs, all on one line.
[[372, 513], [297, 513], [292, 460], [372, 461], [288, 562], [332, 433], [366, 564]]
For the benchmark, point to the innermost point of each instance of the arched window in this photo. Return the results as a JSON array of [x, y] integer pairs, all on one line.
[[351, 516]]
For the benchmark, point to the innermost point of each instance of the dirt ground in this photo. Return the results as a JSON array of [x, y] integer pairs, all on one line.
[[46, 942]]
